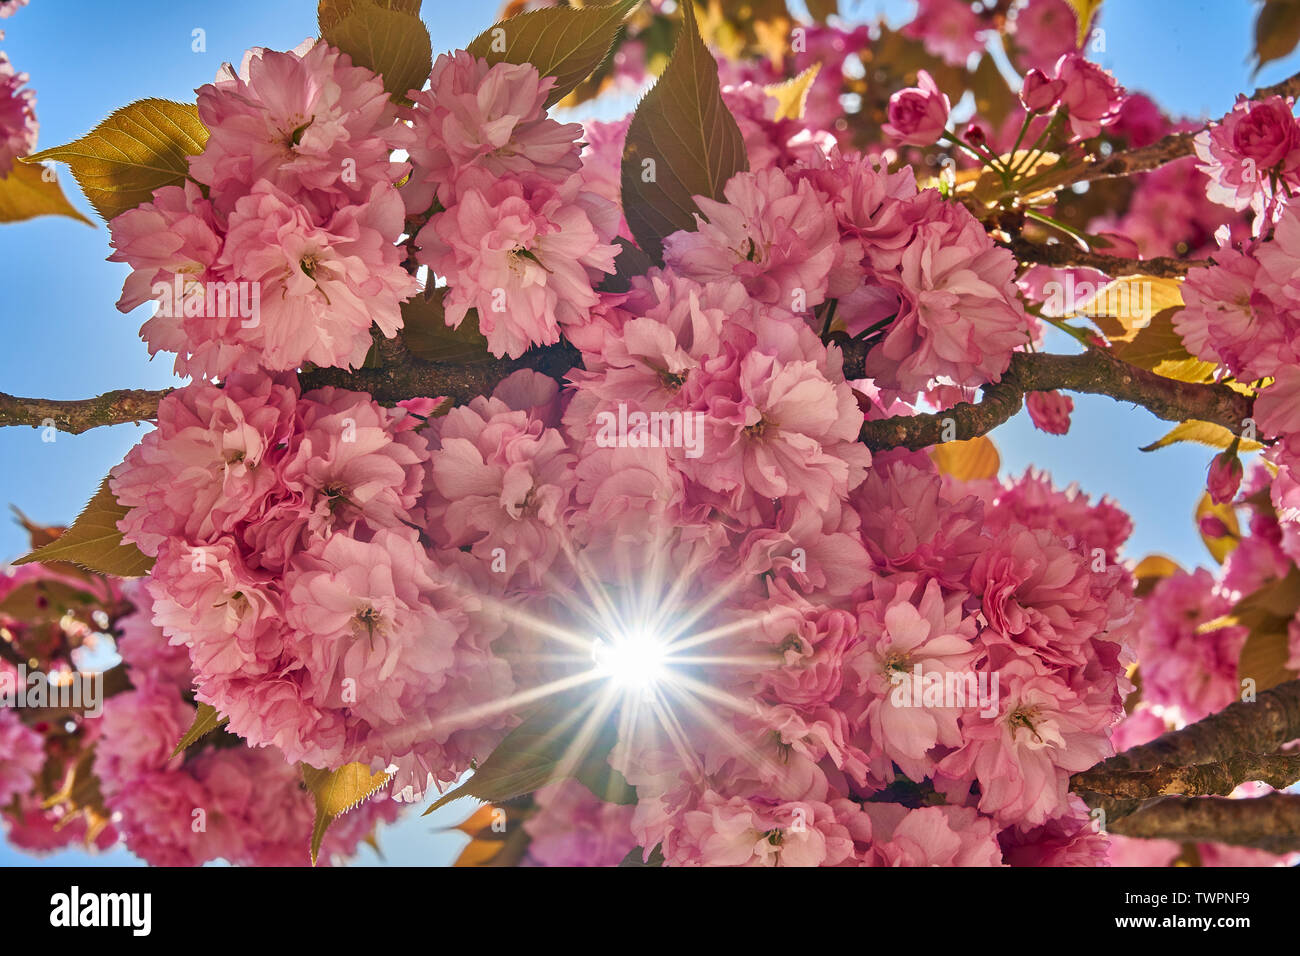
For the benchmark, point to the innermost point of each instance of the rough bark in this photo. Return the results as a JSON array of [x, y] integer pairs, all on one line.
[[1210, 779], [1270, 822], [1244, 727], [1068, 254], [1093, 372]]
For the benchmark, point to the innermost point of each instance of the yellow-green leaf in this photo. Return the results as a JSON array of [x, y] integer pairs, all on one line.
[[1125, 306], [792, 95], [329, 13], [1277, 31], [385, 36], [994, 98], [25, 194], [567, 43], [336, 792], [44, 599], [138, 149], [1203, 433], [427, 336], [1160, 349], [1263, 658], [1150, 571], [1084, 11], [206, 720], [967, 460], [683, 143], [1219, 548], [94, 543]]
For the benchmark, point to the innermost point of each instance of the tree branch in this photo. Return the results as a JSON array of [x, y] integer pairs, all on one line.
[[1270, 822], [1277, 770], [406, 377], [1252, 727], [1094, 372], [111, 408], [1068, 254], [1166, 150]]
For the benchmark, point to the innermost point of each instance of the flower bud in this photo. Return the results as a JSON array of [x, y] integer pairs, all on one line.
[[1039, 94], [1224, 477], [918, 115]]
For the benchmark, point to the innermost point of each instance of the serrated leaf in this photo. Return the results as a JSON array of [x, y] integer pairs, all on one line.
[[336, 792], [1084, 11], [330, 12], [792, 95], [427, 336], [1150, 571], [967, 460], [1203, 433], [1219, 548], [683, 142], [384, 36], [206, 720], [140, 148], [25, 194], [94, 543], [568, 43], [563, 738], [1277, 31]]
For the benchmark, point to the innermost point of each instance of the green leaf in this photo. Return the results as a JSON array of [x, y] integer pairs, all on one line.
[[683, 143], [140, 148], [1203, 433], [25, 194], [631, 261], [561, 739], [427, 336], [94, 543], [385, 36], [568, 43], [336, 792], [636, 857], [206, 720], [1277, 31]]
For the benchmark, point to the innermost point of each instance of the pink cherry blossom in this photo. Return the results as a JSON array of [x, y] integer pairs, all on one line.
[[311, 124], [18, 125]]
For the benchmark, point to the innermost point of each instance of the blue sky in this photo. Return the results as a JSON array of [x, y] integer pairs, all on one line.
[[63, 338]]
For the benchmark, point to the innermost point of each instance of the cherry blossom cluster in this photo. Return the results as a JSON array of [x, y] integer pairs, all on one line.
[[18, 125], [353, 583], [513, 228], [290, 563], [220, 799], [281, 249]]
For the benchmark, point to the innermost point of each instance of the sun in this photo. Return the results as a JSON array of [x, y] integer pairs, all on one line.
[[636, 659]]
